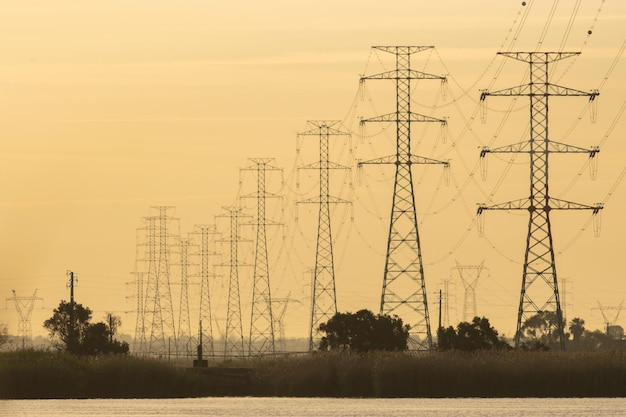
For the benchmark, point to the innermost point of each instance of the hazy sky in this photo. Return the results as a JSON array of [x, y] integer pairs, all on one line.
[[109, 108]]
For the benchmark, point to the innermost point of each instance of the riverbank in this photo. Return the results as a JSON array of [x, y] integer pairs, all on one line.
[[38, 374]]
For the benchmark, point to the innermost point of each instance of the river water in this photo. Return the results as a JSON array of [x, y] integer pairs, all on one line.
[[317, 407]]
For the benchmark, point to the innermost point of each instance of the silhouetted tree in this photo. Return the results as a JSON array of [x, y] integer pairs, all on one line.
[[542, 327], [577, 328], [363, 331], [70, 324], [4, 333], [469, 337]]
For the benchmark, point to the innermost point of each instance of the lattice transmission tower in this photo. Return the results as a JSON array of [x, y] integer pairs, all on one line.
[[24, 307], [157, 306], [540, 291], [323, 293], [262, 341], [233, 338], [207, 235], [185, 338], [404, 287], [469, 275]]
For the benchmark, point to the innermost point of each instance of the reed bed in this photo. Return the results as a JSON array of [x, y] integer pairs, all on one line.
[[42, 374], [36, 374]]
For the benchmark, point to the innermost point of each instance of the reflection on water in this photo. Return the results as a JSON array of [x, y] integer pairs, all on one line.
[[317, 407]]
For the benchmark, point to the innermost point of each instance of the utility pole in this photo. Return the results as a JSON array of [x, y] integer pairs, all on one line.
[[73, 278], [324, 294], [540, 291], [261, 340], [404, 286]]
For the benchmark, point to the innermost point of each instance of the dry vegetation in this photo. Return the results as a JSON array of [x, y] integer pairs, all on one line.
[[36, 374]]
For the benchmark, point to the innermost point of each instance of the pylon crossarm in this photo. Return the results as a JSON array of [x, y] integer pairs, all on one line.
[[521, 204], [519, 90], [557, 147], [543, 57], [521, 147], [404, 74], [331, 200], [327, 165], [412, 117], [551, 90], [393, 159], [408, 50], [324, 130], [557, 90], [558, 204]]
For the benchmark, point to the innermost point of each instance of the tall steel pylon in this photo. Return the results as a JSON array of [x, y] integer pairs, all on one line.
[[540, 291], [233, 343], [404, 288], [207, 270], [185, 338], [262, 341], [323, 294], [469, 275], [24, 307], [158, 297]]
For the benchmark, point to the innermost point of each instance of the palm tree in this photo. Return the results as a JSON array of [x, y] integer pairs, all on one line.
[[577, 328]]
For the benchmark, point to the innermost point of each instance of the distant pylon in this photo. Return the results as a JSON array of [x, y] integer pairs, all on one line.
[[185, 338], [324, 296], [24, 307], [540, 291], [404, 287], [279, 319], [207, 270], [233, 343], [261, 340], [469, 275], [158, 297], [604, 310]]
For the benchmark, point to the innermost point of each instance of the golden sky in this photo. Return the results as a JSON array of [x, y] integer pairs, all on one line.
[[108, 108]]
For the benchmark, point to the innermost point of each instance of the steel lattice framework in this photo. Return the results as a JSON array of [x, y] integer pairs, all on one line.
[[24, 307], [323, 294], [469, 275], [207, 237], [185, 338], [261, 340], [404, 288], [539, 292], [233, 343], [158, 306]]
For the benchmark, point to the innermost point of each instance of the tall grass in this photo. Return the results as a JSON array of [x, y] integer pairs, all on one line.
[[34, 374], [484, 374], [41, 374]]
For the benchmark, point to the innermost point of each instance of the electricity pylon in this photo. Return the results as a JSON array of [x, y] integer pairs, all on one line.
[[207, 237], [158, 302], [469, 275], [279, 319], [323, 294], [540, 291], [185, 338], [24, 307], [604, 310], [233, 338], [404, 288], [261, 340]]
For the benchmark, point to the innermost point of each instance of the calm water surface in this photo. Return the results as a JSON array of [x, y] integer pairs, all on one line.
[[317, 407]]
